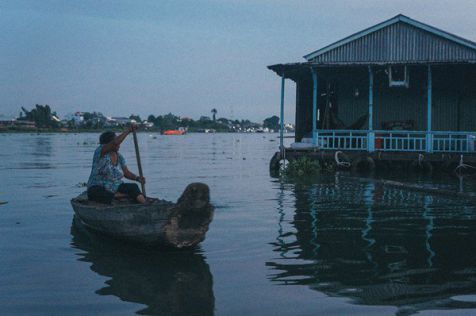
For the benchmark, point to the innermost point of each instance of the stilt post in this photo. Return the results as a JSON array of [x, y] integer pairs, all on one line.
[[281, 116], [371, 134], [314, 106], [429, 136]]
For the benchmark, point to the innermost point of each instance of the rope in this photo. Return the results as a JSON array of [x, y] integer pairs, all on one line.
[[341, 163], [462, 165]]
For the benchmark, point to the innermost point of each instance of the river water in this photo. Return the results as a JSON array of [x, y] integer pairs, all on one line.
[[328, 245]]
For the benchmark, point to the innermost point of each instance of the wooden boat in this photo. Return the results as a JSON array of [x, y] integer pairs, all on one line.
[[181, 225]]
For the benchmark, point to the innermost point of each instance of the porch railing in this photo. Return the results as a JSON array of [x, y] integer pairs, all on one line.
[[454, 142], [400, 141], [403, 141], [346, 140]]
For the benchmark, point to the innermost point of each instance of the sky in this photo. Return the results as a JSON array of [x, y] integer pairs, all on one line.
[[123, 57]]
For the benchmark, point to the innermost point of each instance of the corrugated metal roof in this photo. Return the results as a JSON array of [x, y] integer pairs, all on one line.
[[291, 71], [398, 40]]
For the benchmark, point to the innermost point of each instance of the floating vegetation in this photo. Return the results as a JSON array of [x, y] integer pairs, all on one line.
[[329, 166], [303, 166]]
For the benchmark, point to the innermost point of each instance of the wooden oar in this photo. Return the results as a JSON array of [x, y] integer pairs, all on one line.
[[139, 165]]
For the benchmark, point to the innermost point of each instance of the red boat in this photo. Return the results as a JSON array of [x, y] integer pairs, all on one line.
[[179, 131]]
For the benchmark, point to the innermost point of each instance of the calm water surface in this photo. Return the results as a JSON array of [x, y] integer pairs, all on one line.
[[329, 245]]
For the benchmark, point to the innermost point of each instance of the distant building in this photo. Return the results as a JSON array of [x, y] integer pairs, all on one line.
[[16, 124], [76, 117], [118, 121], [6, 123], [147, 124], [289, 127], [24, 124]]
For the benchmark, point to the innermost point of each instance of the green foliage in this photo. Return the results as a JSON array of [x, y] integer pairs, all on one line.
[[301, 167], [165, 122], [41, 115], [135, 118], [271, 123], [214, 112], [93, 120], [87, 116]]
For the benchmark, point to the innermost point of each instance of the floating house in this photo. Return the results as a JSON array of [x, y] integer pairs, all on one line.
[[400, 90]]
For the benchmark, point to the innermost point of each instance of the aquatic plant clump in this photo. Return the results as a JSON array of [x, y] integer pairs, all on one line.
[[303, 166]]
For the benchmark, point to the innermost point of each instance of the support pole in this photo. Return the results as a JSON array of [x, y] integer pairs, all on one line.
[[281, 125], [371, 134], [429, 136], [314, 106]]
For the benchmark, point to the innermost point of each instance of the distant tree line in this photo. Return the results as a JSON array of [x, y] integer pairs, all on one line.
[[44, 117]]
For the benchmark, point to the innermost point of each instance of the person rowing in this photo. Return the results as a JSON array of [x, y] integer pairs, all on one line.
[[108, 170]]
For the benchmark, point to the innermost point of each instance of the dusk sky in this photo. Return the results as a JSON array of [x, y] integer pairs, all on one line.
[[186, 57]]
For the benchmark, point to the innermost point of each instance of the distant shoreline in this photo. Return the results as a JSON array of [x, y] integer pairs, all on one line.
[[57, 131]]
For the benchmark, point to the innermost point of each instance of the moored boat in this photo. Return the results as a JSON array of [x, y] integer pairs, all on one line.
[[181, 225], [180, 131]]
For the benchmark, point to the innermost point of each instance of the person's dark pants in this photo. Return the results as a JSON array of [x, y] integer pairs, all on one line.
[[99, 194]]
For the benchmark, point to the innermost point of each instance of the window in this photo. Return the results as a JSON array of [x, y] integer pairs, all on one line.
[[398, 76]]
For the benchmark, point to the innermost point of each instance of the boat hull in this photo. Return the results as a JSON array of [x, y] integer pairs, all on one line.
[[174, 132], [181, 225]]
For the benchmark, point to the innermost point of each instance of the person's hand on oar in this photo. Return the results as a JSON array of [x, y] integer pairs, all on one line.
[[132, 128], [141, 180]]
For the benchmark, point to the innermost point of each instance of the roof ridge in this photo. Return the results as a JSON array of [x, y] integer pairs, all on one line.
[[398, 18]]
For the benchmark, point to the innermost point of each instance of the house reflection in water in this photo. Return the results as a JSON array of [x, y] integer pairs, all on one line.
[[179, 283], [377, 245]]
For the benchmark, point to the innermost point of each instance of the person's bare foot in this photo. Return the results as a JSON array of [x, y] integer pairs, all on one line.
[[141, 199]]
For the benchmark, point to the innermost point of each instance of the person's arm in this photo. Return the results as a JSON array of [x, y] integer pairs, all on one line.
[[131, 176], [117, 141]]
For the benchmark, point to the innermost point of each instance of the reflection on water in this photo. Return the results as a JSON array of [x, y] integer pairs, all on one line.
[[42, 146], [376, 244], [167, 282], [39, 149]]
